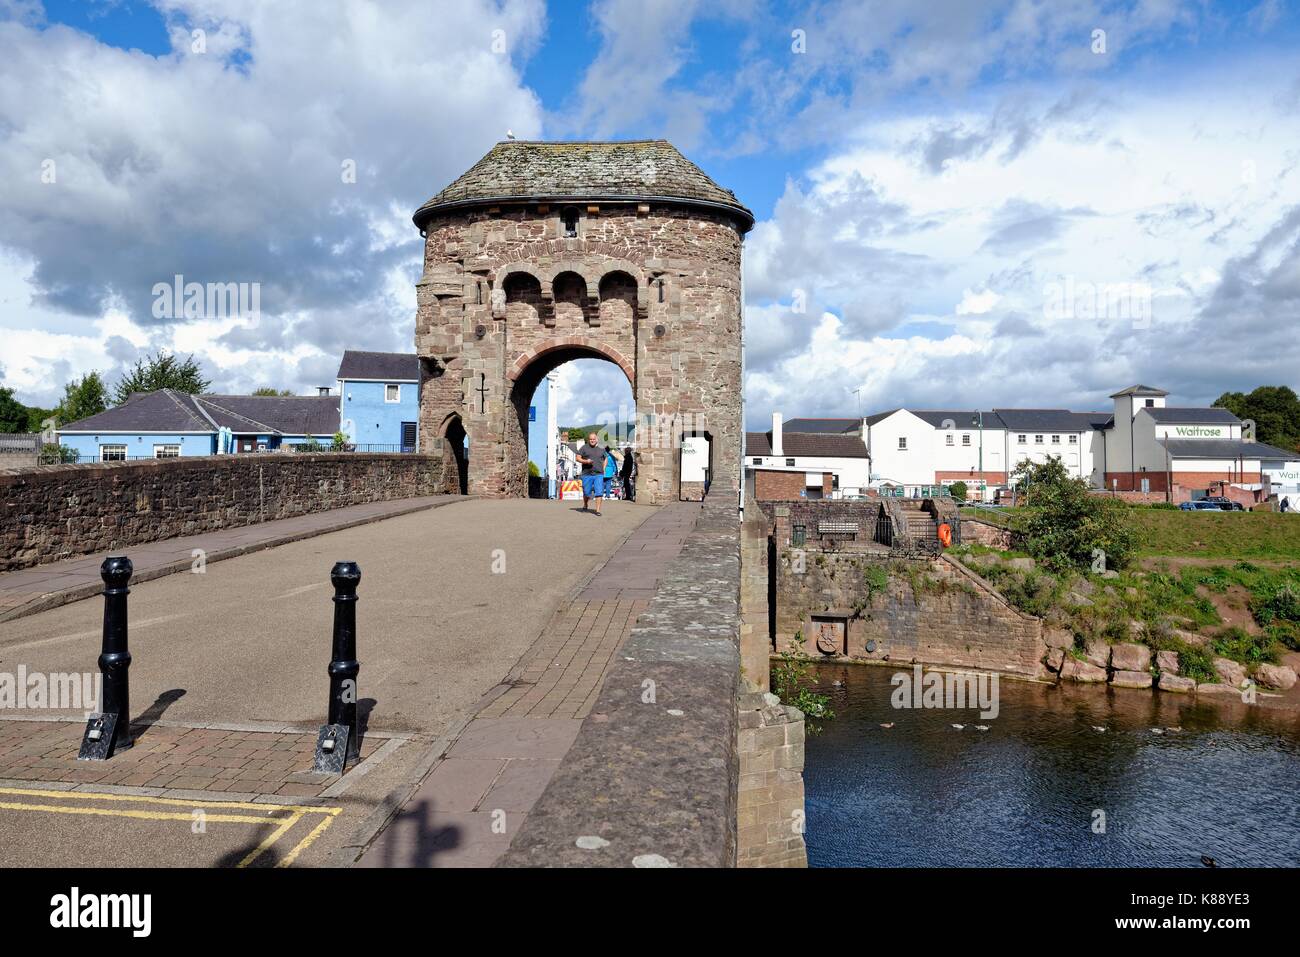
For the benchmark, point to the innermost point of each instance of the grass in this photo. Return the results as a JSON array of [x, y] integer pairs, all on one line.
[[1174, 533], [1232, 535]]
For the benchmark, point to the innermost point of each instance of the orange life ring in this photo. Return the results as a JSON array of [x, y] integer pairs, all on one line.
[[945, 535]]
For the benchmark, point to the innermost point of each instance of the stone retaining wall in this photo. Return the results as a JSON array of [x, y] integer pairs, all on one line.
[[770, 810], [56, 512]]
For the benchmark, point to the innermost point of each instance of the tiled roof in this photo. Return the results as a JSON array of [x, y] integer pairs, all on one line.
[[1051, 420], [822, 425], [392, 366], [807, 445], [1176, 416], [170, 411], [630, 170], [161, 411], [1226, 449], [1138, 390], [960, 418]]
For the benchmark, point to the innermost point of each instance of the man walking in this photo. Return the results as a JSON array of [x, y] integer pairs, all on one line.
[[592, 458], [628, 474]]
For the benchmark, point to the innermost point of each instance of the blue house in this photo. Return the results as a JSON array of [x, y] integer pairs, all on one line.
[[380, 400], [169, 424]]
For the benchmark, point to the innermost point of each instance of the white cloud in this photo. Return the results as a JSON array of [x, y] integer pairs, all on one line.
[[1144, 188], [227, 166]]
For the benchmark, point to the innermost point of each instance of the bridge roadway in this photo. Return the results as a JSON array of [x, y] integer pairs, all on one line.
[[229, 665]]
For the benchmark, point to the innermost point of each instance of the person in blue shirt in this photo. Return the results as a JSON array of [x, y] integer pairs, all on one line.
[[611, 469]]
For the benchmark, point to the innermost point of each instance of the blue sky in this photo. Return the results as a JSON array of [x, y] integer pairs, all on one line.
[[925, 179]]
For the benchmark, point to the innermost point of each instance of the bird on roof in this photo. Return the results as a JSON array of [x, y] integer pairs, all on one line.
[[510, 134]]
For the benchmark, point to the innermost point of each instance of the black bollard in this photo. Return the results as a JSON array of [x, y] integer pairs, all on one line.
[[338, 742], [109, 730]]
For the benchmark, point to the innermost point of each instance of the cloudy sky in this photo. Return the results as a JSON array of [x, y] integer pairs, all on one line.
[[1033, 203]]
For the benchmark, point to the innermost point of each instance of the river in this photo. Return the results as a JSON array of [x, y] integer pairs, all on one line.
[[1026, 791]]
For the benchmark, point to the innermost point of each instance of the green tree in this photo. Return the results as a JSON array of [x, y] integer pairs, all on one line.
[[13, 414], [161, 371], [1067, 526], [82, 398], [958, 491], [268, 390], [1275, 410]]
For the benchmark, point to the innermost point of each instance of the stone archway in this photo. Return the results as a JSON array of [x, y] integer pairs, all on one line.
[[550, 252], [455, 461], [527, 373]]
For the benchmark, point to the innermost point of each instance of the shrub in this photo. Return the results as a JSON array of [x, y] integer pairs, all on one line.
[[54, 454], [1068, 526], [1239, 645], [958, 491], [1197, 664], [792, 683]]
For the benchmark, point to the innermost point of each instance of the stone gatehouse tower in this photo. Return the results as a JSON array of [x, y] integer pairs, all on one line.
[[546, 252]]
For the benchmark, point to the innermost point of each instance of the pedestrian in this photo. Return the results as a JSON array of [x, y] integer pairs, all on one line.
[[611, 470], [592, 458], [628, 474]]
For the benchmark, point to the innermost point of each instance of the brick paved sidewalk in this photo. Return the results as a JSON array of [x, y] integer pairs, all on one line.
[[231, 764], [31, 590], [468, 809]]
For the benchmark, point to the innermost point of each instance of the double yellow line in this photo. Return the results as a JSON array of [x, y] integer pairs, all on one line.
[[293, 814]]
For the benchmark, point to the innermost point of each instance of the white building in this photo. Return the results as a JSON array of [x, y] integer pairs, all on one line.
[[1142, 445]]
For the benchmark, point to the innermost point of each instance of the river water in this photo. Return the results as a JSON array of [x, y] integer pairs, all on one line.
[[1025, 792]]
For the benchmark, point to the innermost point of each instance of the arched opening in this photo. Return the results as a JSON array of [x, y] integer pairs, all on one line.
[[570, 291], [455, 457], [566, 388], [696, 465], [617, 298], [523, 300]]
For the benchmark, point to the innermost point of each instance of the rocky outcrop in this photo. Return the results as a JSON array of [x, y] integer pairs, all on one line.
[[1172, 682], [1131, 679], [1083, 671], [1130, 657], [1233, 674], [1167, 662], [1277, 677]]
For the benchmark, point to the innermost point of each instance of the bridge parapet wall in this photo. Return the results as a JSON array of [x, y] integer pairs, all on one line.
[[51, 513], [654, 770]]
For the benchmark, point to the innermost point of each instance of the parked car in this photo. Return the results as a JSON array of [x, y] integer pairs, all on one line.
[[1200, 505], [1226, 504]]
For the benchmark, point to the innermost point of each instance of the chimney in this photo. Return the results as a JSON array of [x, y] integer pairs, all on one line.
[[322, 390], [776, 434]]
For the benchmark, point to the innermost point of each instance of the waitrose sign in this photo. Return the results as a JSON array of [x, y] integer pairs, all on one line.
[[1200, 432]]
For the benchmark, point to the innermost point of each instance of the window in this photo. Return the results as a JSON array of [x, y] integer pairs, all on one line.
[[166, 451], [1056, 440], [392, 393], [798, 534], [1151, 403], [570, 220], [1022, 439], [1038, 440], [949, 439], [965, 439], [758, 461], [1074, 440], [112, 453], [902, 443], [789, 461]]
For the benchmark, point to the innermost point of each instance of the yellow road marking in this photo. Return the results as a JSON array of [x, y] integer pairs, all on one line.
[[142, 815], [184, 802], [270, 839], [306, 842], [293, 814]]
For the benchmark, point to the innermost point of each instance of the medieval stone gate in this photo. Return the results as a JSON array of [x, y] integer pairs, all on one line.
[[546, 252]]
